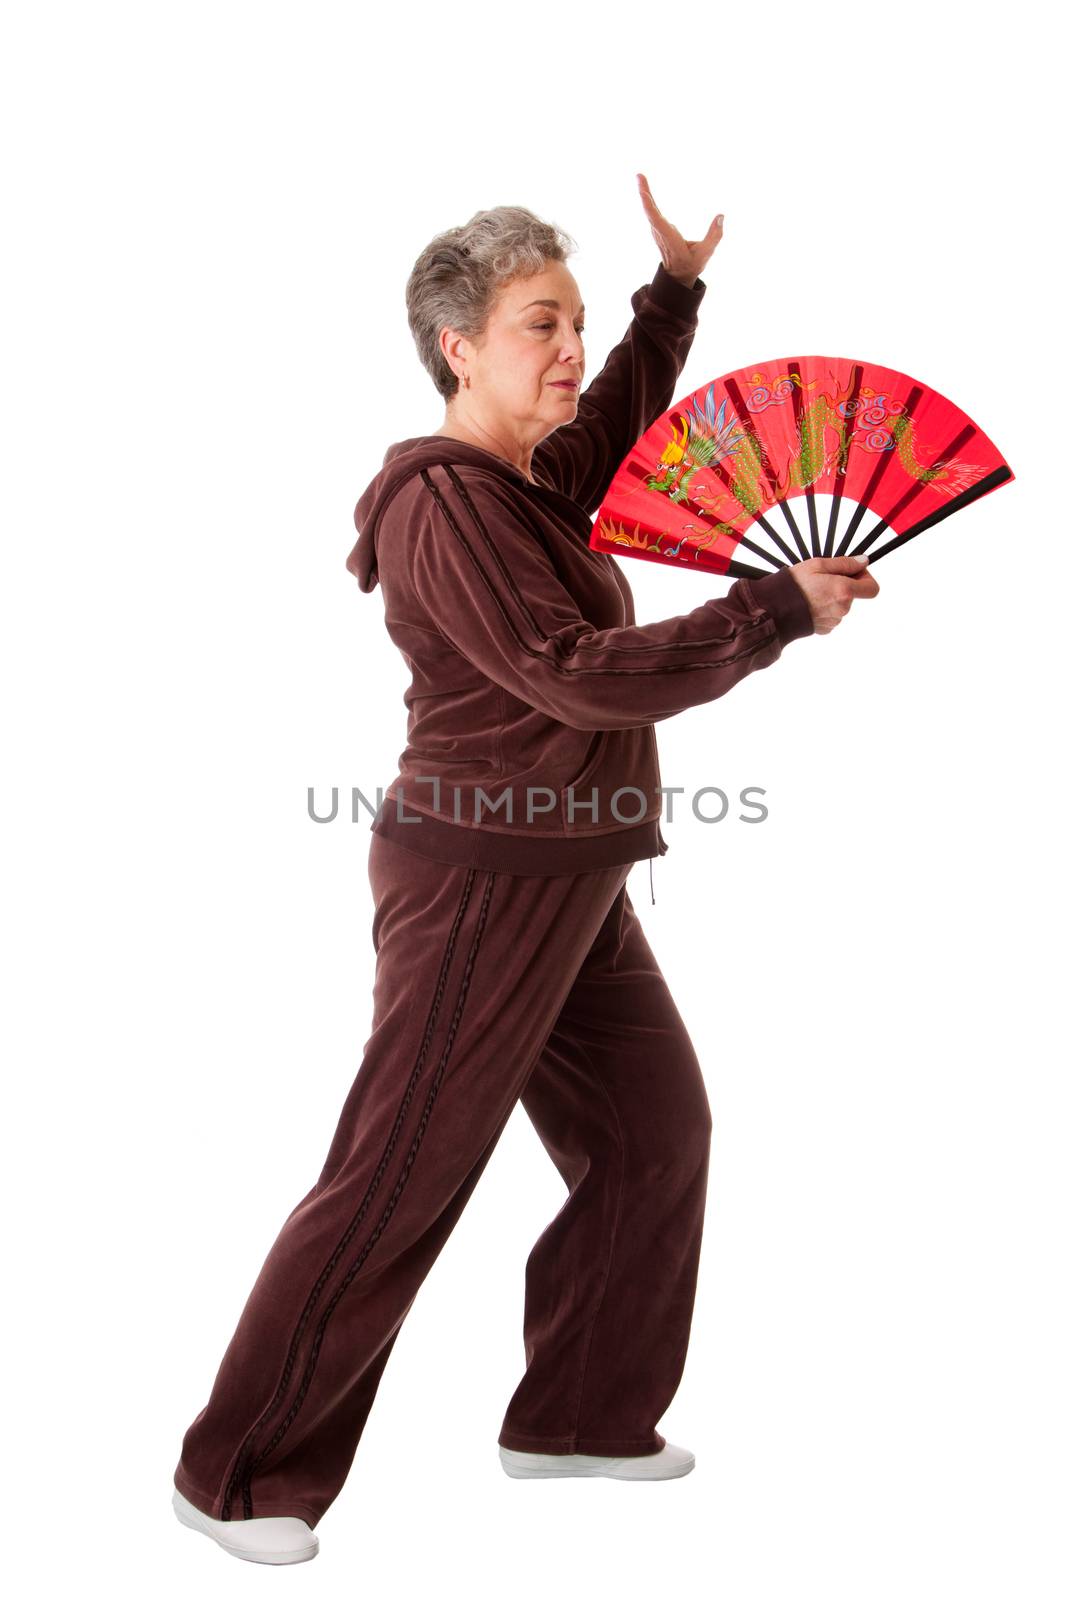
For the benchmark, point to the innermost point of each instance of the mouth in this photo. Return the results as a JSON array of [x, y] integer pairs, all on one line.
[[564, 384]]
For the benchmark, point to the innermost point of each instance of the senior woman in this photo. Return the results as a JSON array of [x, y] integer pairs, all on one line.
[[510, 963]]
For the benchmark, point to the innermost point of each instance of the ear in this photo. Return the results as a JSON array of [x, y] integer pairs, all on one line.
[[455, 347]]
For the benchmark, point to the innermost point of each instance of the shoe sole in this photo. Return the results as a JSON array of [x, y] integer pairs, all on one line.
[[190, 1517], [526, 1464]]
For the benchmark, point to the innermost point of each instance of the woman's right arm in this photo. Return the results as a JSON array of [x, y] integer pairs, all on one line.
[[489, 588]]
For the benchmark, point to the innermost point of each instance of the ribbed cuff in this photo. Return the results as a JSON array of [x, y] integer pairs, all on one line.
[[781, 595], [674, 296]]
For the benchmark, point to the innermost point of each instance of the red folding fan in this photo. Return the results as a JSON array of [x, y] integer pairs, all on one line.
[[854, 440]]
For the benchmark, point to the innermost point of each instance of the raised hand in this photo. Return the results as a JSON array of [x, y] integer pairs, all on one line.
[[684, 259]]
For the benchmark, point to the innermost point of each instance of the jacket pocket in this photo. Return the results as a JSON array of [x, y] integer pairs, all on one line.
[[582, 780]]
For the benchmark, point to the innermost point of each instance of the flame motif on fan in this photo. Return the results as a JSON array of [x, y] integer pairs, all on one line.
[[703, 477]]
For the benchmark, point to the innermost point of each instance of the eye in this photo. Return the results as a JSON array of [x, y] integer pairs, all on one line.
[[579, 331]]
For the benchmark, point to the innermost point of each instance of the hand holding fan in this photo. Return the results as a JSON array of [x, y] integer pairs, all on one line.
[[850, 438]]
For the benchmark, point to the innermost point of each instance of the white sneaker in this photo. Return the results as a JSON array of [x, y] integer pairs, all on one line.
[[670, 1462], [277, 1540]]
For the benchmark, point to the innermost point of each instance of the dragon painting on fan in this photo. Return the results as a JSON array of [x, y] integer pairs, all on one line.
[[829, 429]]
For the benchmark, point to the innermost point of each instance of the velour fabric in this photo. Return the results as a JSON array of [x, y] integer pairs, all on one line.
[[534, 692], [489, 989]]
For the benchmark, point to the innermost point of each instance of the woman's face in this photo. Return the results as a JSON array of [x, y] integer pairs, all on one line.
[[526, 371]]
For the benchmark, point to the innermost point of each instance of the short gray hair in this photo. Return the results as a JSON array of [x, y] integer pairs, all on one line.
[[458, 277]]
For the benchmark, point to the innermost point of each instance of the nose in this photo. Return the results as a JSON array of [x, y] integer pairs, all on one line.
[[571, 348]]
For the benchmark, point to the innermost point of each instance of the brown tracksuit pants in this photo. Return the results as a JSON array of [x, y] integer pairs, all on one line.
[[489, 988]]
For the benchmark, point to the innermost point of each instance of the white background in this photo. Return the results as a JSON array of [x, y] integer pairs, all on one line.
[[211, 211]]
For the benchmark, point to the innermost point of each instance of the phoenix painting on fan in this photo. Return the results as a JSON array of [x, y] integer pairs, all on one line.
[[825, 428]]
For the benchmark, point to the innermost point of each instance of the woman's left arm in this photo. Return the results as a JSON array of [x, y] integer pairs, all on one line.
[[637, 382]]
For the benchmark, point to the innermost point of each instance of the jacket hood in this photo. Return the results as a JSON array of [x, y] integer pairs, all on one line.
[[401, 462]]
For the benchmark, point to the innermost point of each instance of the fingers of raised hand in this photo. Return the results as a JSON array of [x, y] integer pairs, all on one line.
[[653, 210]]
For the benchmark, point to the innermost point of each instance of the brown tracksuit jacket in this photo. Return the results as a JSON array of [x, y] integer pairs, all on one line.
[[534, 693]]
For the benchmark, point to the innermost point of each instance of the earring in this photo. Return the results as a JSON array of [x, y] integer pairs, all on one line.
[[466, 380]]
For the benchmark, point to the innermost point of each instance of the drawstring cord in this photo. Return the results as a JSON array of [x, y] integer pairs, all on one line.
[[650, 889]]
